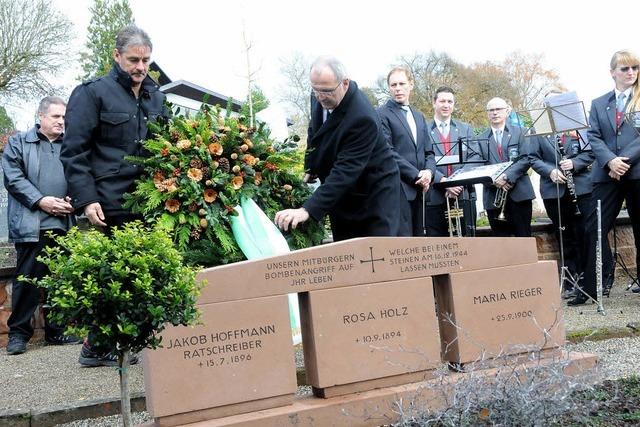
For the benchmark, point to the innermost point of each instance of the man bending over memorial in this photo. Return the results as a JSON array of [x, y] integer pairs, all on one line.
[[347, 151]]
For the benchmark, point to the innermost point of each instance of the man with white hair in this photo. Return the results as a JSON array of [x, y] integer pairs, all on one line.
[[500, 143], [347, 151]]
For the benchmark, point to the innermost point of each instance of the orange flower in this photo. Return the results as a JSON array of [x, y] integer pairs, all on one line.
[[172, 205], [249, 159], [210, 195], [195, 174], [257, 178], [270, 166], [164, 152], [158, 177], [183, 144], [215, 149], [237, 182]]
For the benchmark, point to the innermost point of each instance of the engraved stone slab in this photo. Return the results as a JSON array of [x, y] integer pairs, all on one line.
[[367, 332], [504, 310], [241, 353], [361, 261]]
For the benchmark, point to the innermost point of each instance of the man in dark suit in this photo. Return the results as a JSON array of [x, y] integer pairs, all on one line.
[[444, 131], [616, 171], [500, 143], [405, 131], [555, 159], [347, 151]]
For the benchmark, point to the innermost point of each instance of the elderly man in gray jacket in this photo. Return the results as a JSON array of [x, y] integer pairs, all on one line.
[[38, 203]]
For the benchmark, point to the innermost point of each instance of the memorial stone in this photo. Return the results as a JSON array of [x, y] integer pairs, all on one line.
[[369, 336], [500, 311]]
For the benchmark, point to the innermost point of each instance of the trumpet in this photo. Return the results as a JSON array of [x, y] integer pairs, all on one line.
[[500, 201], [454, 216]]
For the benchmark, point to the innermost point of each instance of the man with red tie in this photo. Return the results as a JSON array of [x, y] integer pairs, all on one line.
[[616, 170], [445, 132]]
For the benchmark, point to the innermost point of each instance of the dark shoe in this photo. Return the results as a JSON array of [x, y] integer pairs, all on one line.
[[16, 345], [579, 299], [569, 293], [63, 339], [636, 290], [90, 358]]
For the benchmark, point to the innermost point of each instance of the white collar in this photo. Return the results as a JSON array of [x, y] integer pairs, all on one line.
[[628, 93]]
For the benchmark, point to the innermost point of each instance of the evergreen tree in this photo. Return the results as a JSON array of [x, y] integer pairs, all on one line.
[[107, 18]]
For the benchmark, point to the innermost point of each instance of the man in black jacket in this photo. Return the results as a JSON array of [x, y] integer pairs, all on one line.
[[405, 130], [107, 121], [347, 151]]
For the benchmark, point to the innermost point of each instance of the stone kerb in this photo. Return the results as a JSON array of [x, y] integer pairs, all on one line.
[[362, 261]]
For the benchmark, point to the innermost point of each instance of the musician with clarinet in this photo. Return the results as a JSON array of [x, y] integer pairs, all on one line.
[[563, 161], [508, 200]]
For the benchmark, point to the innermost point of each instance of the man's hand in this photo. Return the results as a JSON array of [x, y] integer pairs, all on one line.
[[424, 179], [618, 165], [291, 217], [614, 175], [558, 177], [453, 192], [55, 206], [566, 164], [502, 183], [309, 179], [94, 213]]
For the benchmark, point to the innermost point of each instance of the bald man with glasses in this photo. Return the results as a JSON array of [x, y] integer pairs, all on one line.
[[347, 152]]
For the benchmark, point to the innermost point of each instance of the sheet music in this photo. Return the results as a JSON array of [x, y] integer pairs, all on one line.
[[567, 112]]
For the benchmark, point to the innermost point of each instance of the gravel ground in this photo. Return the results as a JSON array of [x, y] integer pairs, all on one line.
[[51, 376]]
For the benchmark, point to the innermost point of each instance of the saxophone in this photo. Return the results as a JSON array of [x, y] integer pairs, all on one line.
[[571, 185]]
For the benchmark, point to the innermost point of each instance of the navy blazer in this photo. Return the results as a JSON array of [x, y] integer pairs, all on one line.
[[457, 130], [411, 156], [542, 157], [359, 176], [514, 147], [608, 142]]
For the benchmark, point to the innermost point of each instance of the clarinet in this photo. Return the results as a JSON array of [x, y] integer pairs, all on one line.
[[571, 185]]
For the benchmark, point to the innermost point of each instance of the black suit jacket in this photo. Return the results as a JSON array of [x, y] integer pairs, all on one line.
[[411, 156], [359, 176], [608, 141], [543, 155], [514, 147]]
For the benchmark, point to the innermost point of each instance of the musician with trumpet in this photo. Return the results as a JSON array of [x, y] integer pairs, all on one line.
[[563, 161], [508, 200], [444, 132]]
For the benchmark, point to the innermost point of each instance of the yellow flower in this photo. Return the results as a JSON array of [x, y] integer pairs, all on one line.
[[215, 149], [195, 174], [172, 205], [237, 182], [210, 195], [183, 144]]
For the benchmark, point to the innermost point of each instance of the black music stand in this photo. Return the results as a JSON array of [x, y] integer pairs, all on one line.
[[465, 149]]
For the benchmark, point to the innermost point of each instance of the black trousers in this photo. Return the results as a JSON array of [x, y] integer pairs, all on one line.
[[518, 219], [25, 297], [438, 225], [611, 195]]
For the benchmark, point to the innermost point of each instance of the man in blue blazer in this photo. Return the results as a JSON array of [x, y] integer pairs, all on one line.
[[444, 131], [616, 171], [405, 131], [346, 150], [500, 143]]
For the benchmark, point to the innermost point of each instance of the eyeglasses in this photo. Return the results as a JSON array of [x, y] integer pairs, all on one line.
[[325, 91], [633, 67], [495, 110]]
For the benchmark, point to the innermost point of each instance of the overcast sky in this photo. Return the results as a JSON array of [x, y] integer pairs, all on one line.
[[201, 41]]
